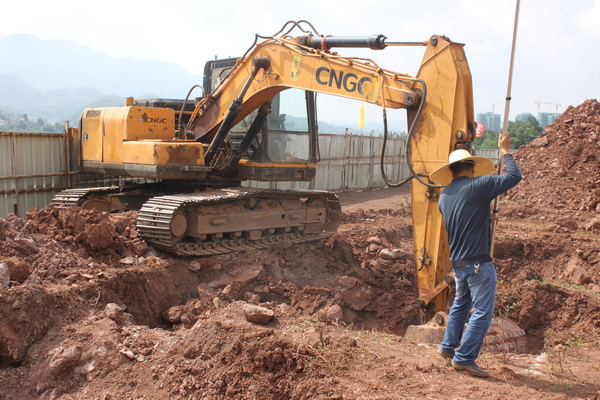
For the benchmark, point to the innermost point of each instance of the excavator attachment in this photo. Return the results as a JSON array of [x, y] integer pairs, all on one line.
[[257, 121], [503, 335]]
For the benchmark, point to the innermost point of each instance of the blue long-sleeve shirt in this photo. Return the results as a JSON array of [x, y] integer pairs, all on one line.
[[465, 207]]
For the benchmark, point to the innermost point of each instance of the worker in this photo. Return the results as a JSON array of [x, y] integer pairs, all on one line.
[[465, 208]]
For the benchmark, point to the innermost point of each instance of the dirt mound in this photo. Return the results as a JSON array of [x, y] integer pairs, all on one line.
[[560, 193], [548, 243], [69, 264], [55, 243], [561, 168]]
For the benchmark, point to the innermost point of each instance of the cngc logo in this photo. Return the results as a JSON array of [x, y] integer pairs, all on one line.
[[346, 81], [145, 118]]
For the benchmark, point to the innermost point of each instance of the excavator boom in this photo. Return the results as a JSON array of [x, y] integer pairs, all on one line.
[[200, 153], [279, 64]]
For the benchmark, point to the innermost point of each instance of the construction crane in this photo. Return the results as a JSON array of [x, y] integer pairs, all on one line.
[[539, 102]]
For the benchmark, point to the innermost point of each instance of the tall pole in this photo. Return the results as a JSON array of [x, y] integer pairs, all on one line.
[[510, 72], [506, 111]]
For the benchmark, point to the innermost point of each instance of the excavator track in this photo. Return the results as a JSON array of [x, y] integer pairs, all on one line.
[[240, 219], [218, 221], [73, 197]]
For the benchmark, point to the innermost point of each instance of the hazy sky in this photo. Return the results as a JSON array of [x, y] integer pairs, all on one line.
[[557, 57]]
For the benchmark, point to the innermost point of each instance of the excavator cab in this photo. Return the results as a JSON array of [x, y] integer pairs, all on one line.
[[281, 147]]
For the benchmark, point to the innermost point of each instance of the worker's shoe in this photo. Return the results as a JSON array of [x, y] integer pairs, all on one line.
[[471, 368], [446, 354]]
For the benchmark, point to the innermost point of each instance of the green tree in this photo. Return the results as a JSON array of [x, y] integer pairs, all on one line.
[[523, 132], [488, 140], [55, 127]]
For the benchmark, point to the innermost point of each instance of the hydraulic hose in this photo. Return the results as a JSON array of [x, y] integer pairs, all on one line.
[[180, 130], [413, 174]]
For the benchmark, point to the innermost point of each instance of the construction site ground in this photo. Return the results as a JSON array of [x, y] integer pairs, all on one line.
[[89, 311]]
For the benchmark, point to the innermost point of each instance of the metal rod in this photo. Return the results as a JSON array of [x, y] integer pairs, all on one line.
[[374, 42], [34, 190], [68, 153], [38, 175], [40, 134], [506, 111], [394, 43], [510, 72]]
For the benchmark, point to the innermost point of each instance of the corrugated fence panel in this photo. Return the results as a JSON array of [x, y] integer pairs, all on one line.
[[6, 154], [489, 153], [39, 155], [31, 170], [350, 162]]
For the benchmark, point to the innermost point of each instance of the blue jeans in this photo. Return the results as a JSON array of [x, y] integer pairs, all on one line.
[[474, 289]]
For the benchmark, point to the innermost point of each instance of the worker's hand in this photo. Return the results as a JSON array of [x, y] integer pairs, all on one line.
[[504, 143]]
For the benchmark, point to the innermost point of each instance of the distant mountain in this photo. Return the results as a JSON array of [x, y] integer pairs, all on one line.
[[20, 97], [15, 93], [56, 79], [57, 64]]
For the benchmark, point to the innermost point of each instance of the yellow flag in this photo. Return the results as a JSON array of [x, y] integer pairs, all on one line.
[[361, 116]]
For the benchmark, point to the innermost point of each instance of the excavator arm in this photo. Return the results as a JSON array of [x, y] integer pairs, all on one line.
[[440, 114], [141, 140], [198, 159]]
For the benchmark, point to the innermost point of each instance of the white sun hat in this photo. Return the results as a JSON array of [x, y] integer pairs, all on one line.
[[443, 175]]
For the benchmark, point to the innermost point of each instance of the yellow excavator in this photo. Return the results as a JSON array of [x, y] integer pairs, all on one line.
[[257, 121]]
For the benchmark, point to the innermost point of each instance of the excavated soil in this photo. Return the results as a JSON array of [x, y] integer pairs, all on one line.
[[89, 311]]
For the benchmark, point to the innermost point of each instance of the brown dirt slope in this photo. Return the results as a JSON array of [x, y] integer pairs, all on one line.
[[553, 218], [562, 166]]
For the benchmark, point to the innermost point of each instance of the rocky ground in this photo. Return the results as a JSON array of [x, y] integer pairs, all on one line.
[[89, 311]]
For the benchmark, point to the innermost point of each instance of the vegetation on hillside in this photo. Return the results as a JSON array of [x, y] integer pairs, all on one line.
[[12, 122], [521, 133]]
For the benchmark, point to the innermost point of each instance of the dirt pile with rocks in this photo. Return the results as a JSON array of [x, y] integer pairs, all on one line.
[[321, 320], [85, 297], [561, 167], [561, 190], [553, 216]]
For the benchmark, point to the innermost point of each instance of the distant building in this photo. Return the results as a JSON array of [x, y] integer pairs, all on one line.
[[490, 120], [524, 117], [547, 118]]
